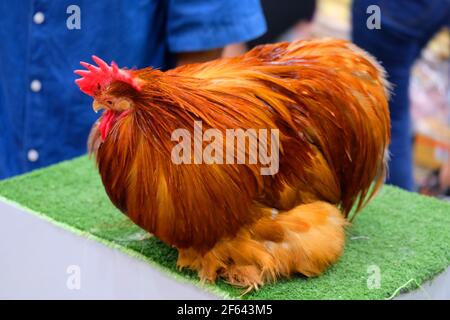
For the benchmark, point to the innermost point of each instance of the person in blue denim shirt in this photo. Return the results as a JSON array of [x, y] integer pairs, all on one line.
[[44, 118], [406, 27]]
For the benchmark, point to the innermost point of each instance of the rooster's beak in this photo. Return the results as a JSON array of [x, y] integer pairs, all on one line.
[[97, 106]]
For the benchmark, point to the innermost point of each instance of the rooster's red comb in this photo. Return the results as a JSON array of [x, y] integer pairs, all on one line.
[[95, 78]]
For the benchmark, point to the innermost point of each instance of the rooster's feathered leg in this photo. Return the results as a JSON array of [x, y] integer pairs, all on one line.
[[306, 240]]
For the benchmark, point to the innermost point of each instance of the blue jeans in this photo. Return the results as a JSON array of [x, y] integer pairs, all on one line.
[[406, 27]]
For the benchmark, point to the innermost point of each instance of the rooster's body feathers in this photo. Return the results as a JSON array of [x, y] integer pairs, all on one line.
[[328, 100]]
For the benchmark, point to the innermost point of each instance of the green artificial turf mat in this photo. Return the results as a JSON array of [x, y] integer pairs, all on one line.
[[404, 236]]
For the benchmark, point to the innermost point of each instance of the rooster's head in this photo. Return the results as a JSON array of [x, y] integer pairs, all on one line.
[[112, 89]]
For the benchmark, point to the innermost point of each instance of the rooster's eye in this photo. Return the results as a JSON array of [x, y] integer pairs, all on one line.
[[109, 102]]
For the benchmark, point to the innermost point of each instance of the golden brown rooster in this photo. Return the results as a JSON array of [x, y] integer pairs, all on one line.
[[328, 101]]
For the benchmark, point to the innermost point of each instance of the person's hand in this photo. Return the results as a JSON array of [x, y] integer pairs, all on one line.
[[199, 56], [444, 175]]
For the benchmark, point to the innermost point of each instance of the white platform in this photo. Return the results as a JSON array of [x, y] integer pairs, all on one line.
[[39, 260], [36, 256]]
